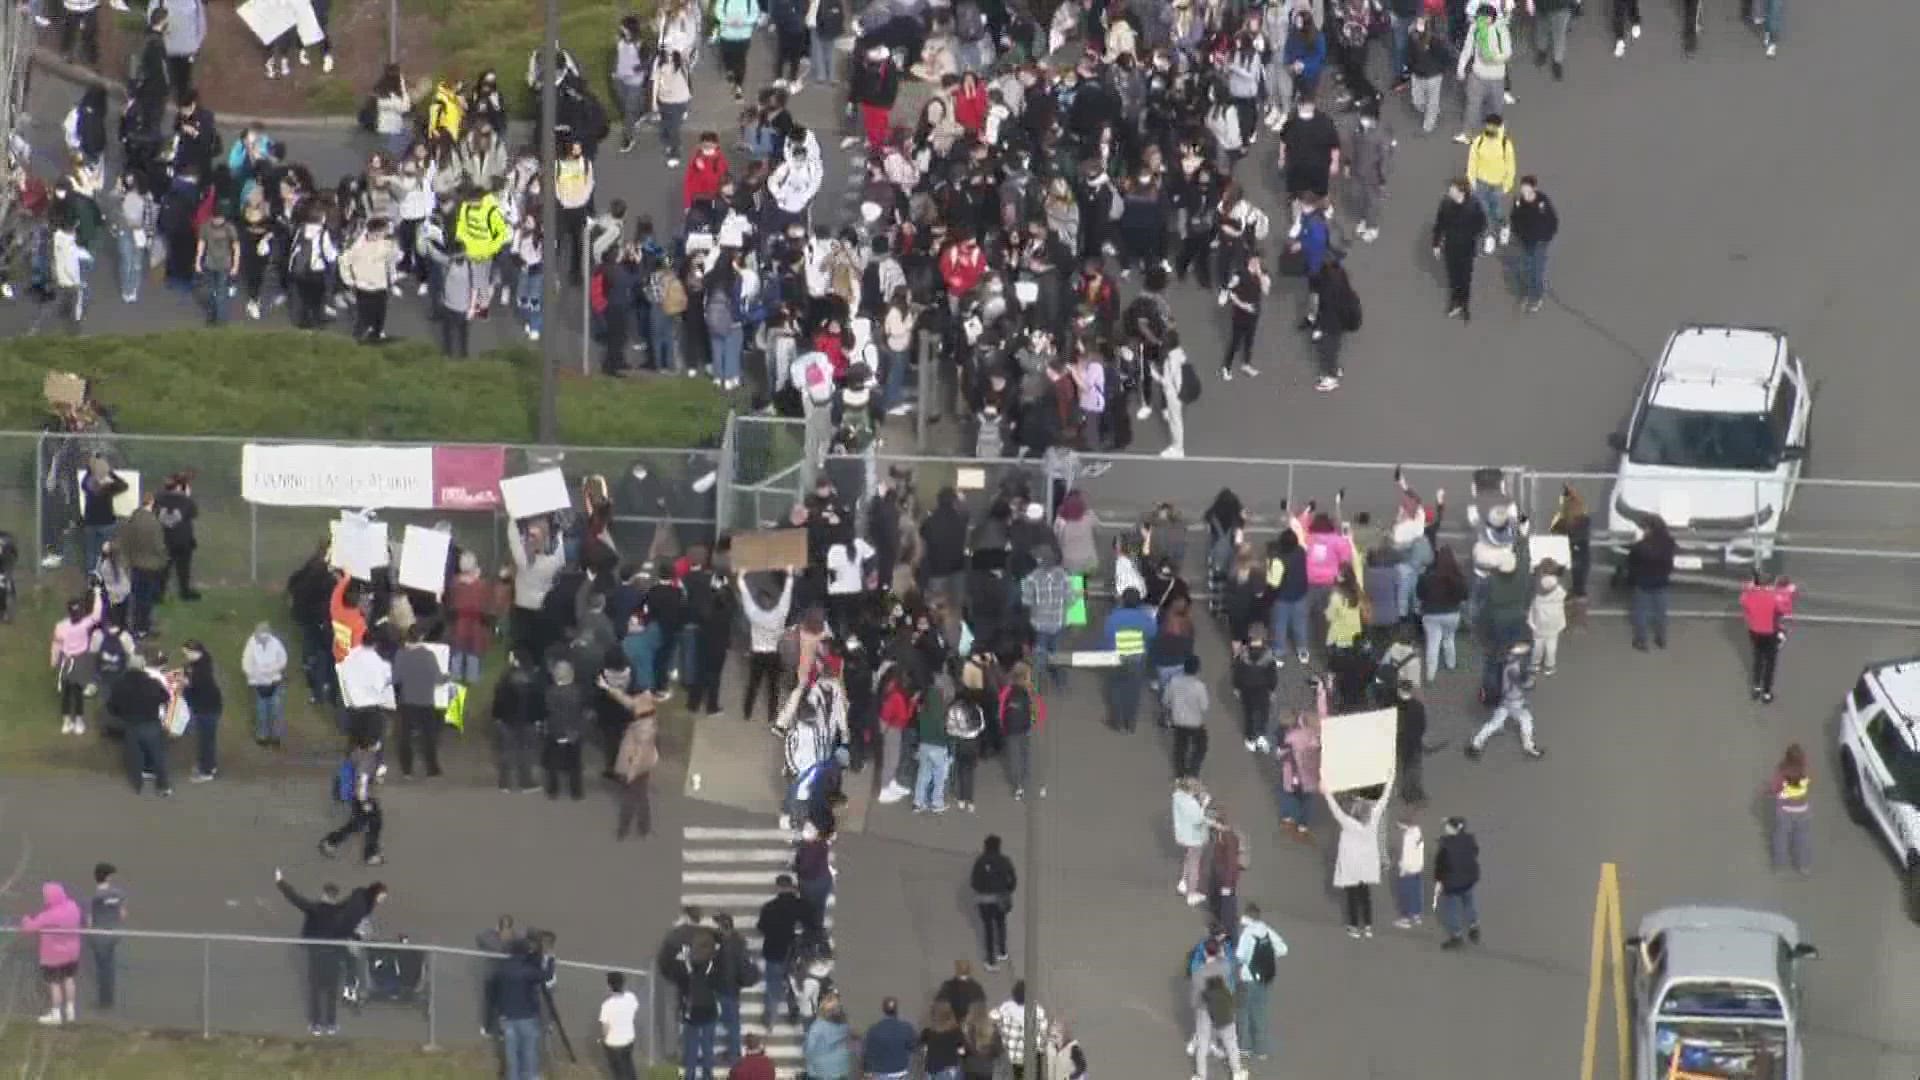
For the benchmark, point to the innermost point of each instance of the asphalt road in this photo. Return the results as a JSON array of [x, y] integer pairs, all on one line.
[[1712, 189]]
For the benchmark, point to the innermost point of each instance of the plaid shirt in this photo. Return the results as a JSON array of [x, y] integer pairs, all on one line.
[[1011, 1019], [1045, 592]]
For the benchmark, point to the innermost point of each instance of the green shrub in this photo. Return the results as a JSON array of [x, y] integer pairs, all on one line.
[[289, 383]]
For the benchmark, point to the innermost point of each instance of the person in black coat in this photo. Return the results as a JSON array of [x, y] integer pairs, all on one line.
[[177, 511], [1535, 223], [1457, 228], [993, 880], [1456, 872], [328, 919]]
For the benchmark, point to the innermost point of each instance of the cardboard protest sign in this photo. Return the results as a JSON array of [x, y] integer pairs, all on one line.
[[1356, 749], [769, 549]]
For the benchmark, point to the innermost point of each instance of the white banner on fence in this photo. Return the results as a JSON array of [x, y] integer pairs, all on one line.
[[356, 477]]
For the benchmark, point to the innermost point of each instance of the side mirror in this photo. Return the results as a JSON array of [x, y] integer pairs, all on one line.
[[1617, 442], [1634, 942], [1803, 951], [1793, 453]]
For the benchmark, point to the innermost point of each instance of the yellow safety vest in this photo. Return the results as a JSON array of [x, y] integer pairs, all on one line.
[[481, 228], [447, 113], [1129, 642]]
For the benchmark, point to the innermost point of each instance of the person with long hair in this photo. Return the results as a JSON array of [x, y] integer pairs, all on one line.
[[942, 1044], [982, 1042], [1792, 818], [1356, 866], [1442, 591], [1649, 573]]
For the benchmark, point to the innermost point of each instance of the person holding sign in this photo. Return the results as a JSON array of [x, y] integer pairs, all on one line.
[[1356, 864]]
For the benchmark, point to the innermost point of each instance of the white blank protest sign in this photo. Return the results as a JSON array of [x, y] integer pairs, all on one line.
[[359, 545], [1356, 749], [423, 559], [535, 494]]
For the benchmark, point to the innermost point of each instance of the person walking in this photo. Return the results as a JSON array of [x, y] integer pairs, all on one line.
[[1190, 802], [1409, 741], [936, 746], [216, 258], [1766, 603], [1256, 675], [1649, 569], [1128, 630], [785, 921], [1551, 21], [886, 1051], [1022, 713], [1516, 681], [1535, 224], [1457, 228], [1491, 171], [363, 762], [1456, 872], [993, 881], [1214, 1009], [618, 1012], [1246, 289], [106, 911], [1428, 60], [1482, 68], [1792, 820], [368, 267], [1626, 24], [1259, 950], [204, 705], [1356, 866], [734, 24], [264, 663], [1187, 701], [1227, 857], [1298, 752]]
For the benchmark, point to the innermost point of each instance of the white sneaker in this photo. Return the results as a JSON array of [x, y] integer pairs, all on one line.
[[395, 290], [892, 793], [1619, 48], [1252, 745], [786, 823], [691, 373], [794, 88], [253, 309], [1144, 412], [6, 291], [1249, 370], [1173, 452], [1326, 384], [118, 5], [1463, 138], [1180, 886], [1636, 31], [79, 726], [1506, 234], [534, 335], [303, 58], [1507, 96], [850, 142], [326, 65], [66, 725], [1772, 49], [1226, 374], [1486, 243], [1195, 899], [51, 1017]]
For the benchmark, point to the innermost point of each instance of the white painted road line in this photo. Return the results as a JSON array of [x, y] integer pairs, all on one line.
[[781, 857], [726, 877], [732, 901], [705, 833]]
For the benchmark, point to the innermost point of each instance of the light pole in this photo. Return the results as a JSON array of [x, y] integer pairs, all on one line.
[[549, 422]]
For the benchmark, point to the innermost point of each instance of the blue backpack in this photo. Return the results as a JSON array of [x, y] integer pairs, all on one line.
[[343, 782]]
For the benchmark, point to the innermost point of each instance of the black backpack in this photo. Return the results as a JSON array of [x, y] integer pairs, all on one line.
[[1016, 714], [1189, 383], [1264, 961]]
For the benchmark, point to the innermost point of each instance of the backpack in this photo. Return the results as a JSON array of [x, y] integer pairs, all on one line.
[[673, 294], [1016, 711], [1264, 963], [963, 721], [343, 781], [1189, 383], [300, 255], [1218, 1001]]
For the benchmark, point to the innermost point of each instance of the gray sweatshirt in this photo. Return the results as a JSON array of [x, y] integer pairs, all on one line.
[[1186, 699]]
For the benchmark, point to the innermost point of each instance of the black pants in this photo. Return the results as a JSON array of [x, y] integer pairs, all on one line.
[[325, 965], [663, 657], [1189, 750], [1626, 14], [733, 61], [364, 725], [454, 327], [370, 314], [82, 27], [792, 50], [712, 660], [1195, 255], [1353, 72], [310, 300], [180, 77], [367, 821], [619, 1061], [572, 244], [1689, 22], [1359, 901], [562, 759], [762, 667], [993, 925], [1253, 716], [1459, 265], [516, 756], [636, 809], [180, 566], [419, 729], [966, 762], [1766, 658], [1240, 339], [102, 949]]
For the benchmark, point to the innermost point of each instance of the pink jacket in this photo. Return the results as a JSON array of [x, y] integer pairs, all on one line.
[[70, 638], [54, 923]]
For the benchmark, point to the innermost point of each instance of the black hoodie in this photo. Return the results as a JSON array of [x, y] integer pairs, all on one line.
[[1457, 867]]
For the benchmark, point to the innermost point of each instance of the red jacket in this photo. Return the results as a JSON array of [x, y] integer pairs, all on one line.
[[705, 173], [970, 109], [961, 270], [897, 709], [752, 1067], [828, 342]]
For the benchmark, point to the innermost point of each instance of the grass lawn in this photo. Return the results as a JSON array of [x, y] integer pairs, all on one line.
[[238, 381], [473, 35], [30, 739], [86, 1053]]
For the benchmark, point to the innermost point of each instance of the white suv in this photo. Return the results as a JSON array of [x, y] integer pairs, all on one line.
[[1715, 446], [1880, 763]]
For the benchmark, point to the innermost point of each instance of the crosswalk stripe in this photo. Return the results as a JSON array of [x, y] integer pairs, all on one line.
[[777, 856], [732, 901], [706, 832], [723, 877]]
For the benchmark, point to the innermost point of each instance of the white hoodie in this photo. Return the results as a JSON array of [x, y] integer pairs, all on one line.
[[797, 179]]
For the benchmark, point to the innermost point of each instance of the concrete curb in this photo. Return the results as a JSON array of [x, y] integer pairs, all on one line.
[[47, 61]]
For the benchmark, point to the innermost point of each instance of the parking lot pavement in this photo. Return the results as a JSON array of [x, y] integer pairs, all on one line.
[[1655, 762]]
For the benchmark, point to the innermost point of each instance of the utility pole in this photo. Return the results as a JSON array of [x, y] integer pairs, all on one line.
[[549, 423], [1035, 986]]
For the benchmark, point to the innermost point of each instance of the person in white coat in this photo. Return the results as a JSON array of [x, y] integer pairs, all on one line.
[[1191, 832], [1547, 617], [1171, 375], [1356, 863], [264, 662]]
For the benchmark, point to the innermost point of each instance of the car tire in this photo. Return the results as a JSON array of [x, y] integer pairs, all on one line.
[[1910, 887], [1851, 794]]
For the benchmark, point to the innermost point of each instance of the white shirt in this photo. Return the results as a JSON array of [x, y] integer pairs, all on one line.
[[366, 681], [843, 567], [616, 1019], [1413, 851], [264, 662]]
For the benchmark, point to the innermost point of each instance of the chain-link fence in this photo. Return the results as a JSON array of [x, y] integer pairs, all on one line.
[[1852, 546], [652, 489], [767, 465], [229, 984]]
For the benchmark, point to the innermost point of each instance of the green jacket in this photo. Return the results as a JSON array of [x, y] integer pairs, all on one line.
[[932, 720]]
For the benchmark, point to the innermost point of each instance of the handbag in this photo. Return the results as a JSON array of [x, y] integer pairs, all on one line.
[[457, 708]]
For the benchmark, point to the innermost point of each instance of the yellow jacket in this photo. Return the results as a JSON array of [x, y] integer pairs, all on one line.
[[1490, 160], [446, 113]]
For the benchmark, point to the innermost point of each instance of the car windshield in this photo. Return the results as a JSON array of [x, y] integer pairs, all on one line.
[[1904, 766], [1721, 1051], [1739, 1001], [1681, 439]]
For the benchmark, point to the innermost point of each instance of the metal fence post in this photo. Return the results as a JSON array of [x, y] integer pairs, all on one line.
[[433, 1002], [253, 543], [1289, 503], [924, 387], [39, 501], [206, 988], [723, 483]]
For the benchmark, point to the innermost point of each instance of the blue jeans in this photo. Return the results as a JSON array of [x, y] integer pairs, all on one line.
[[1255, 1020], [206, 740], [1649, 616], [1457, 913], [730, 1023], [1296, 806], [778, 992], [687, 645], [522, 1038], [1402, 29], [1494, 202], [696, 1050], [1533, 271], [661, 337], [217, 283], [527, 297], [726, 352], [92, 538], [1441, 631], [133, 267], [464, 666], [893, 377], [820, 57], [1045, 643], [930, 783], [1123, 694], [270, 712], [1406, 895], [1772, 18], [1287, 626]]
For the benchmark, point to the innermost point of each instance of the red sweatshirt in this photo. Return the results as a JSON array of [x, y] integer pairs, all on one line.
[[897, 710], [961, 267], [970, 108], [705, 172]]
